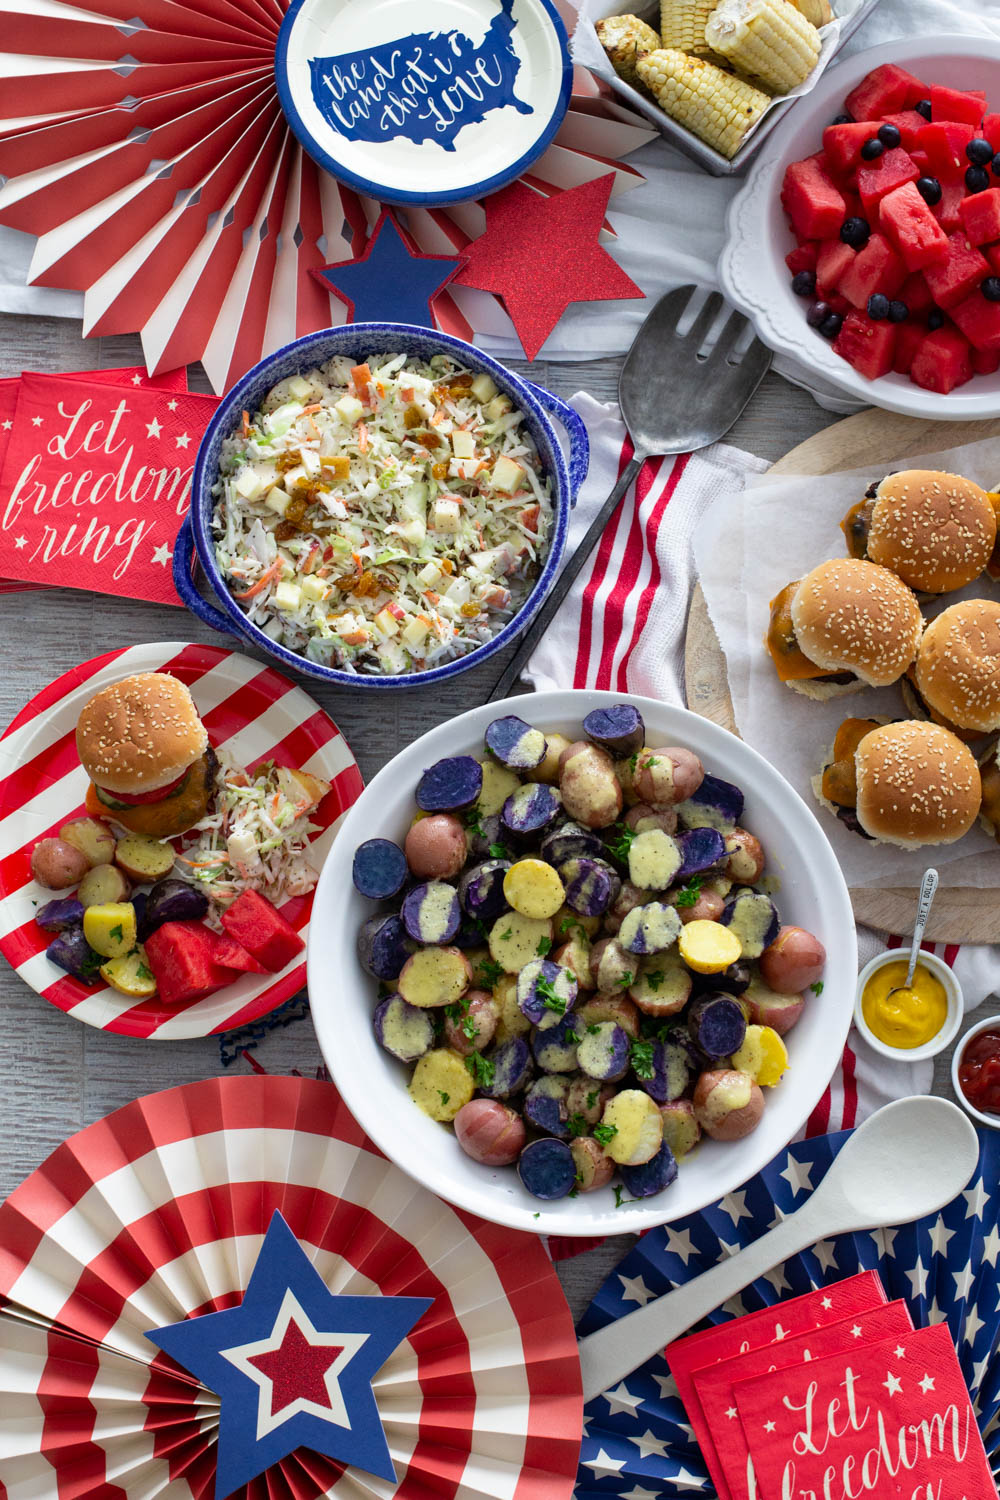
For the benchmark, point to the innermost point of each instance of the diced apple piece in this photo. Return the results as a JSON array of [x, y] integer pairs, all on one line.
[[446, 515], [483, 388], [350, 408], [415, 633], [287, 596], [300, 388], [507, 474], [313, 589], [386, 621], [463, 444], [277, 500]]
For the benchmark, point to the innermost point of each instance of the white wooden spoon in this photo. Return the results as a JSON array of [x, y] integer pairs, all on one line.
[[908, 1159]]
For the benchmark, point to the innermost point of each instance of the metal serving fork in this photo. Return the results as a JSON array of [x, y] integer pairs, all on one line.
[[673, 400]]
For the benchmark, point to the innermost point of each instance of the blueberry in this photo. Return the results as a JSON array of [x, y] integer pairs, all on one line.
[[898, 312], [977, 179], [995, 168], [831, 325], [889, 136], [818, 314], [935, 319], [929, 189], [990, 288], [923, 107], [804, 283], [842, 120], [878, 307], [855, 232], [979, 152], [871, 149]]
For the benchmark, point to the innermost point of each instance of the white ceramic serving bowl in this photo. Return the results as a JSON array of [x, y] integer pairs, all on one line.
[[752, 269], [953, 1020], [812, 894], [991, 1022]]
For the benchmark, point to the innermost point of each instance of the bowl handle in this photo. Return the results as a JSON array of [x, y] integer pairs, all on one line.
[[576, 431], [183, 571]]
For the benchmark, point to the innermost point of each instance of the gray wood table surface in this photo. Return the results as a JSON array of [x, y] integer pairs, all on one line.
[[57, 1075]]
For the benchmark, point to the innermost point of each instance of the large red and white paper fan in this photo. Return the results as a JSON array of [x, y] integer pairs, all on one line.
[[252, 711], [158, 1212], [143, 142]]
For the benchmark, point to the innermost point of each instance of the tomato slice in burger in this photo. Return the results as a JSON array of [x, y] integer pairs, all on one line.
[[138, 799]]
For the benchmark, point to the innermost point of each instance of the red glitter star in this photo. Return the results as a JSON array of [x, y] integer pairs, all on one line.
[[540, 254], [296, 1369]]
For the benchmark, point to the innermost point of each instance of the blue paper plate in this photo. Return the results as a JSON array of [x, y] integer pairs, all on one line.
[[431, 103], [637, 1441]]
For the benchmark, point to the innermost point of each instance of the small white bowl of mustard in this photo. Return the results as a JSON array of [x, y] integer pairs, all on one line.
[[914, 1025]]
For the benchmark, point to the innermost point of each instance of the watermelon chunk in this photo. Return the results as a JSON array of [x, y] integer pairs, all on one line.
[[949, 211], [985, 361], [812, 200], [832, 263], [883, 91], [944, 145], [920, 159], [992, 253], [953, 278], [981, 216], [226, 951], [916, 294], [262, 931], [908, 123], [909, 337], [889, 171], [942, 362], [909, 224], [876, 268], [869, 347], [842, 144], [182, 964], [965, 105], [802, 258], [979, 320], [991, 130]]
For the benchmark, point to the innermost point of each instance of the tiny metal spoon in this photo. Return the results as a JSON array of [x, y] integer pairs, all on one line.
[[907, 1160], [928, 886]]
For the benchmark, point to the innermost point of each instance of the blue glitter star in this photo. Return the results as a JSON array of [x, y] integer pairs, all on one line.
[[293, 1365], [389, 283]]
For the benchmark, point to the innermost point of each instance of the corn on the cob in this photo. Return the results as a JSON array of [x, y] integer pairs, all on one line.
[[717, 106], [625, 39], [816, 11], [682, 25], [768, 40]]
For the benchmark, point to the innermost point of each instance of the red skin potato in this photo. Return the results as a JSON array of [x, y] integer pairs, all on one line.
[[716, 1109], [490, 1132], [666, 775], [435, 847], [780, 1012], [708, 908], [480, 1008], [793, 962]]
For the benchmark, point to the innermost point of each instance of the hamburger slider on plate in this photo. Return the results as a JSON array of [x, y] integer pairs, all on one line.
[[147, 754], [846, 625], [955, 679], [908, 783], [989, 771], [935, 531]]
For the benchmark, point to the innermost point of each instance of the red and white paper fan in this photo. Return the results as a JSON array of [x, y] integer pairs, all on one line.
[[257, 714], [158, 1212], [144, 144]]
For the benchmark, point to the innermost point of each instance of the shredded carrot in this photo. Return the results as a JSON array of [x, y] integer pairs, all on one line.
[[406, 394], [273, 572], [438, 418], [307, 411], [431, 597], [362, 438], [246, 424]]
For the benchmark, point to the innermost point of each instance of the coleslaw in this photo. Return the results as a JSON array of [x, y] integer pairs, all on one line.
[[383, 517]]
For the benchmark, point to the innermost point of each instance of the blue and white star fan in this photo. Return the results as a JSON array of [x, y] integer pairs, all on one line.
[[637, 1441]]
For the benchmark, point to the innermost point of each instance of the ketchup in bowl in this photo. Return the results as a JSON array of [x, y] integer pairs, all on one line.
[[979, 1071]]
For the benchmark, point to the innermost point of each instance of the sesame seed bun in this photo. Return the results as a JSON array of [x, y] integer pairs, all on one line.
[[853, 616], [917, 785], [140, 734], [957, 670], [934, 530]]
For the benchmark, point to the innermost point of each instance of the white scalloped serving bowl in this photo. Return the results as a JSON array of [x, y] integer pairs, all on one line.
[[752, 268]]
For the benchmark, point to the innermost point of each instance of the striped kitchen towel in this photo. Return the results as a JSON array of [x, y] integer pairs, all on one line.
[[622, 629]]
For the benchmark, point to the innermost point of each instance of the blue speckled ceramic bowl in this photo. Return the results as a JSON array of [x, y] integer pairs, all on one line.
[[358, 341]]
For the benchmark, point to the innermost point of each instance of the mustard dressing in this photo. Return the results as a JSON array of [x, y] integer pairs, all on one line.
[[911, 1017]]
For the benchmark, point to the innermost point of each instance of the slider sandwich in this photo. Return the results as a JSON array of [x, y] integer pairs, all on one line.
[[989, 771], [935, 531], [908, 783], [955, 679], [846, 625]]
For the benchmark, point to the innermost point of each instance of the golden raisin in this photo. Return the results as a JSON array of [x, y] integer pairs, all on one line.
[[470, 611], [284, 531], [439, 471], [412, 418], [296, 509]]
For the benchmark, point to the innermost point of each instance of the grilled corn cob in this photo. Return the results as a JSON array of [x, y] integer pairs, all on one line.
[[682, 25], [625, 39], [717, 106], [768, 40], [816, 11]]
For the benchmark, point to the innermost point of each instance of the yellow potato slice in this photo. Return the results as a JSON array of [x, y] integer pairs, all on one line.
[[434, 976], [638, 1127], [708, 947], [763, 1055], [110, 929], [130, 975], [533, 888], [515, 940], [441, 1084]]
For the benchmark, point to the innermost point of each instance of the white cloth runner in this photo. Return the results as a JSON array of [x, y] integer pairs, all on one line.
[[622, 628]]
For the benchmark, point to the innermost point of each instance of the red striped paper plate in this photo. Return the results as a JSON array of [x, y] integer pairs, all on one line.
[[257, 714]]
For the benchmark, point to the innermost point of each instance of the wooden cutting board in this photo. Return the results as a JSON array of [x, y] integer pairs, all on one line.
[[878, 440]]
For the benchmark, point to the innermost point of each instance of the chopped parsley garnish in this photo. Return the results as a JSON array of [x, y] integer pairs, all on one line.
[[142, 972], [593, 1028], [641, 1058], [506, 936], [654, 760], [491, 971], [626, 979], [568, 923], [603, 1134], [483, 1069], [688, 894], [545, 990], [472, 821], [499, 851], [654, 978], [544, 946], [576, 1125], [571, 1037], [574, 1191], [470, 1029], [620, 1201], [116, 933], [591, 1098], [443, 1096], [817, 988], [620, 841], [633, 761]]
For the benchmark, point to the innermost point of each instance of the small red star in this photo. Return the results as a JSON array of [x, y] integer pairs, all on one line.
[[296, 1369], [540, 254]]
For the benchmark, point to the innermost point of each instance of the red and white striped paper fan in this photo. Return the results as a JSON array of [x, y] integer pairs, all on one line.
[[143, 143], [257, 714], [158, 1212]]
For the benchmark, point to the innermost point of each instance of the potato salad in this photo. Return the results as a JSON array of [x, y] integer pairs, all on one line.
[[384, 517]]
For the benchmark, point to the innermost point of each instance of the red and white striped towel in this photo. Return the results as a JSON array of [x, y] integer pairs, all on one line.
[[622, 629]]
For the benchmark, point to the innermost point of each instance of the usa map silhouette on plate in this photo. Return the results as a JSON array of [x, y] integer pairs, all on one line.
[[424, 87]]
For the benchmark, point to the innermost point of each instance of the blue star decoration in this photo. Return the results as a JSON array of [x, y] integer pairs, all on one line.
[[292, 1365], [389, 283]]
